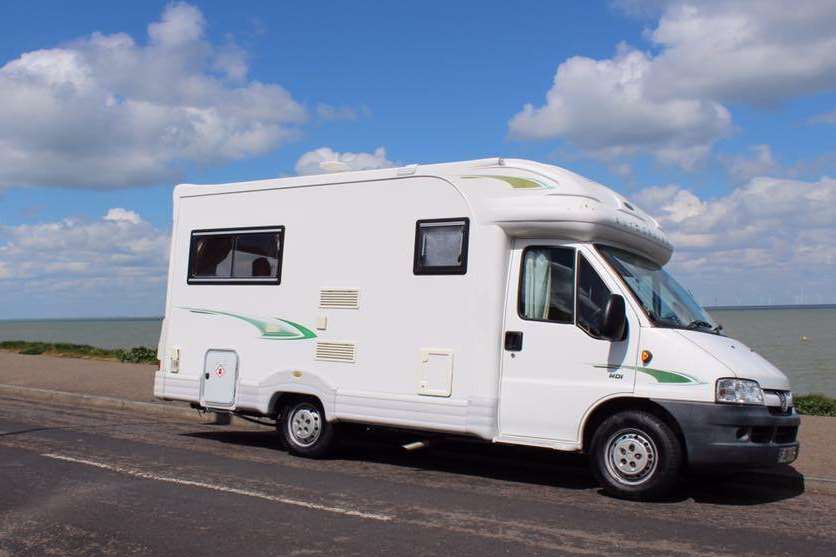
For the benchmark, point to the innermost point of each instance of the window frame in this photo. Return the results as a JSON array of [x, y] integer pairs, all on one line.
[[520, 312], [192, 279], [461, 269]]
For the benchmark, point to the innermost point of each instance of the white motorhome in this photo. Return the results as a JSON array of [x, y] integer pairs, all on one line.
[[506, 300]]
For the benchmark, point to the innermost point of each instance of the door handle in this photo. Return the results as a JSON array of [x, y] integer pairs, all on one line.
[[206, 375], [513, 341]]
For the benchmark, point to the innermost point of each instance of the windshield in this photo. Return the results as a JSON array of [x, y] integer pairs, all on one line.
[[665, 301]]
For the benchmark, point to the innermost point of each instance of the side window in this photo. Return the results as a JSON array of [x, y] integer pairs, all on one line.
[[256, 255], [441, 247], [593, 295], [212, 256], [244, 256], [547, 284]]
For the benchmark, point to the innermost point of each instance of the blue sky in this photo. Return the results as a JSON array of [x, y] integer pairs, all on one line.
[[718, 118]]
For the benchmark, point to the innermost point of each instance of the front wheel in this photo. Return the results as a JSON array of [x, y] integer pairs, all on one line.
[[305, 430], [636, 455]]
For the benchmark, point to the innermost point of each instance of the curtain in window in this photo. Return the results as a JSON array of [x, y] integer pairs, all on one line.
[[537, 284]]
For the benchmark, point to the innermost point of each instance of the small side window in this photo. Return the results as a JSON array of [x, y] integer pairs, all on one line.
[[593, 295], [441, 246], [241, 256]]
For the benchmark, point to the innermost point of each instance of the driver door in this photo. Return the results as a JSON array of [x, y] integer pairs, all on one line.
[[555, 366]]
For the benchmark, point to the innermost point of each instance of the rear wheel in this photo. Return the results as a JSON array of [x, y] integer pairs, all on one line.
[[636, 455], [305, 430]]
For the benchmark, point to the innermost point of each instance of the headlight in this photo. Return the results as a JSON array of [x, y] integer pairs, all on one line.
[[739, 391]]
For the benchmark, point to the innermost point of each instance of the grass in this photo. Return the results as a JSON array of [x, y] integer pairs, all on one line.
[[816, 405], [137, 355]]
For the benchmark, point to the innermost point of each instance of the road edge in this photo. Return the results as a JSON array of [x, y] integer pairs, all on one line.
[[162, 409]]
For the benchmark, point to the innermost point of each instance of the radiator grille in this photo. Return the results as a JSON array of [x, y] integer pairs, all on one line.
[[339, 298], [330, 351]]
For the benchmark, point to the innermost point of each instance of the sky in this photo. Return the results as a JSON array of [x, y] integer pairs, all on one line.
[[719, 118]]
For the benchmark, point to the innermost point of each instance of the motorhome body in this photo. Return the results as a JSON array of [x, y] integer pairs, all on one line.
[[508, 300]]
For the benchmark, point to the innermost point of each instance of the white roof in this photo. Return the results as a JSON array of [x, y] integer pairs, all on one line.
[[525, 198]]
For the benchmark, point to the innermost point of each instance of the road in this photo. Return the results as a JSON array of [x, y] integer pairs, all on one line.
[[91, 482]]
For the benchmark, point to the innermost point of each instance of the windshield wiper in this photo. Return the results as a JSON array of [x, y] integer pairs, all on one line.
[[663, 322], [700, 324]]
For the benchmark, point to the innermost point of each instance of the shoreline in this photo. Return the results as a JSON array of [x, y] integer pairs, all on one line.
[[808, 404], [137, 354]]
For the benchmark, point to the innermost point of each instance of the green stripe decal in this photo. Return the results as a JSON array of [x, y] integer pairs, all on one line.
[[279, 329], [660, 375], [516, 182], [663, 376]]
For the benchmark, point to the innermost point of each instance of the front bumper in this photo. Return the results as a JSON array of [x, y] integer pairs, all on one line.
[[727, 435]]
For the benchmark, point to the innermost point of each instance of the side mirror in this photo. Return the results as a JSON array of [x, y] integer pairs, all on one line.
[[614, 321]]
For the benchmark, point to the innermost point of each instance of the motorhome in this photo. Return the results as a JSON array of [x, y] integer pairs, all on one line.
[[505, 300]]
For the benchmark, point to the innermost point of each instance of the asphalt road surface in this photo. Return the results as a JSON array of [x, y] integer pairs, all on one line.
[[90, 482]]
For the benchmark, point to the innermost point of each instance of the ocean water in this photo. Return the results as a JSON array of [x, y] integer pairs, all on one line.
[[801, 342], [104, 333]]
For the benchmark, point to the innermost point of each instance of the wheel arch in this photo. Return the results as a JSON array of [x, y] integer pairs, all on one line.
[[285, 396], [596, 416], [283, 386]]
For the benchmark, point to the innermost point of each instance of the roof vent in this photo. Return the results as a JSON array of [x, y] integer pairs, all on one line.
[[331, 351], [339, 298], [407, 170]]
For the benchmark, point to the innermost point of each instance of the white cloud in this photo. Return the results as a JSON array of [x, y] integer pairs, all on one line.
[[753, 51], [96, 267], [105, 111], [117, 214], [604, 107], [311, 162], [769, 237], [671, 103], [760, 163]]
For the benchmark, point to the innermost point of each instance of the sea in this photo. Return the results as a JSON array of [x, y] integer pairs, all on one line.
[[801, 341]]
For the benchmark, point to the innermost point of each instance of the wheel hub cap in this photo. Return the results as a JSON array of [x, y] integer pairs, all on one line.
[[305, 425], [631, 457]]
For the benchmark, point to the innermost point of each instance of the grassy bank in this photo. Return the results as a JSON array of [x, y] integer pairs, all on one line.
[[816, 405], [137, 355]]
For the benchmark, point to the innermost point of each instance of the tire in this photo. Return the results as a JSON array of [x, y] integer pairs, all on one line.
[[636, 455], [305, 430]]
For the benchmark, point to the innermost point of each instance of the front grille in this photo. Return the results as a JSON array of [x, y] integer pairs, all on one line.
[[779, 403]]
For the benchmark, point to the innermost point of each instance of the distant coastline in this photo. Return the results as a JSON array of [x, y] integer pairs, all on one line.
[[41, 319]]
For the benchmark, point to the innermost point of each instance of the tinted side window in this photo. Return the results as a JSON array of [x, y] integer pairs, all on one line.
[[212, 256], [240, 256], [256, 255], [593, 296], [441, 247], [547, 284]]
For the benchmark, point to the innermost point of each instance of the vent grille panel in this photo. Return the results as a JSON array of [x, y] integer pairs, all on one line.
[[330, 351], [339, 298]]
